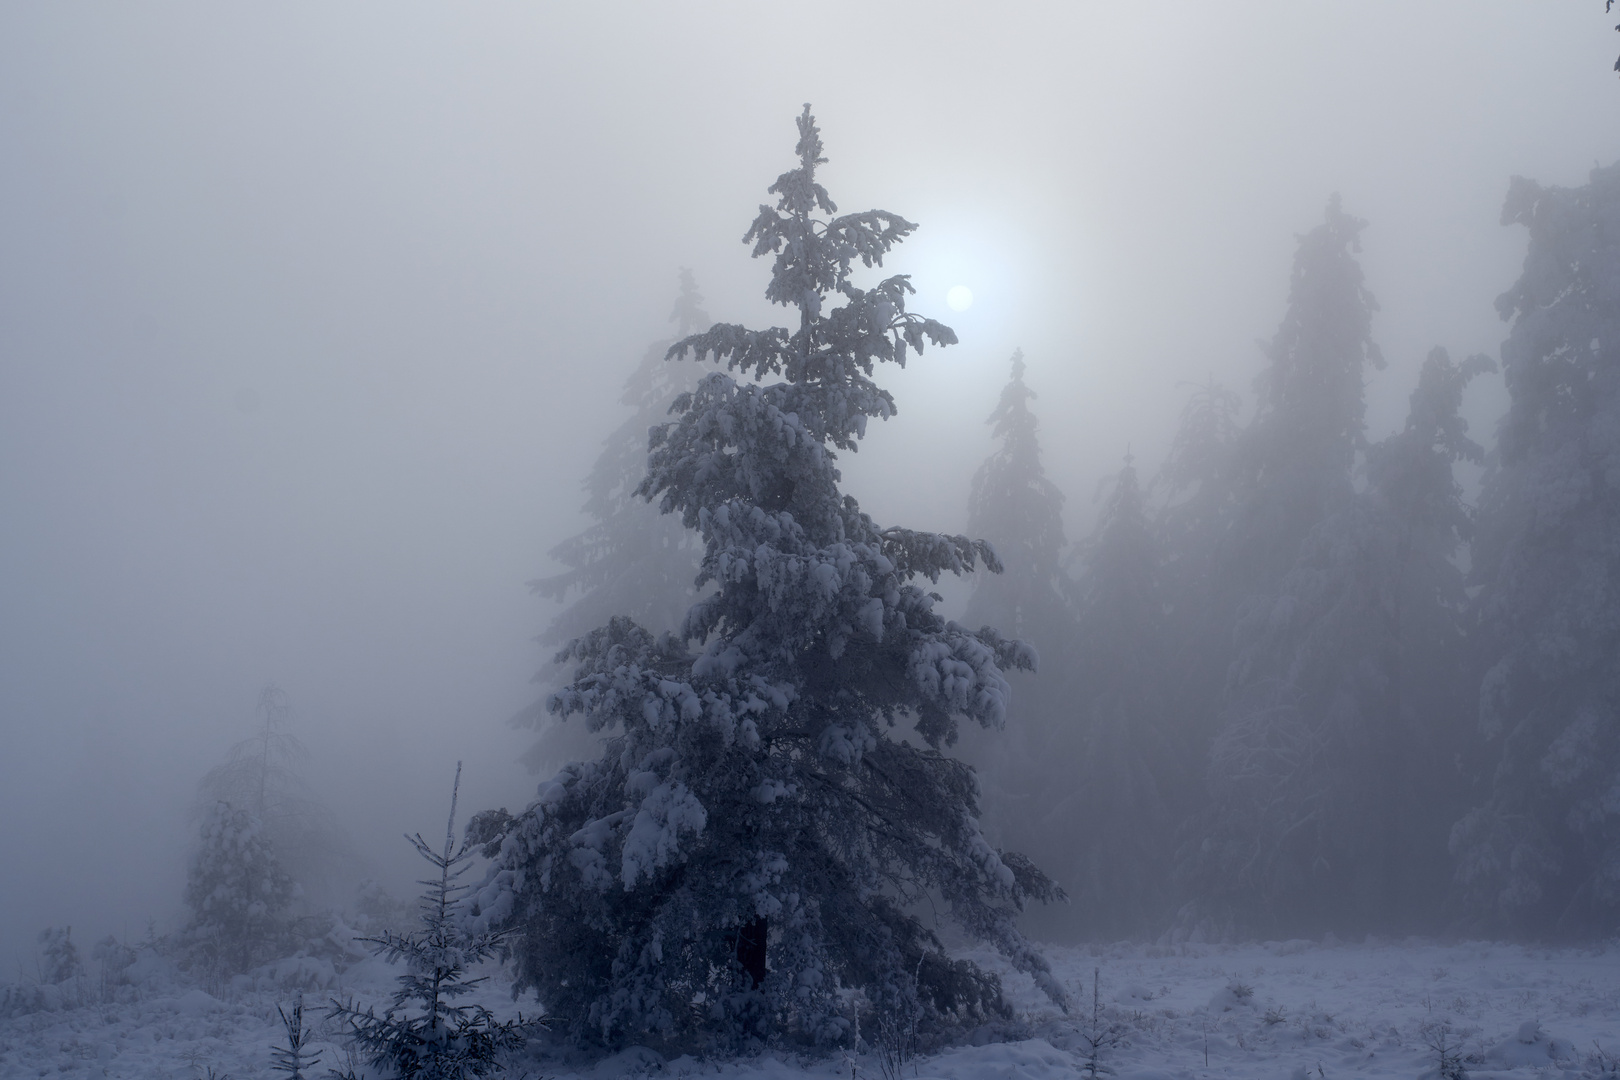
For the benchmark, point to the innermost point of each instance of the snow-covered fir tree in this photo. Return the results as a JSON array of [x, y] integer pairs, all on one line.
[[1020, 511], [1543, 849], [59, 958], [1197, 482], [1291, 472], [1416, 781], [295, 1061], [761, 826], [1195, 494], [1293, 462], [1015, 506], [237, 892], [631, 560], [264, 775], [1333, 777], [1128, 773], [426, 1033]]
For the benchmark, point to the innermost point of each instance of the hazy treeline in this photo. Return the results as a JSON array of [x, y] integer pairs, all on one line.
[[1292, 681], [1274, 701]]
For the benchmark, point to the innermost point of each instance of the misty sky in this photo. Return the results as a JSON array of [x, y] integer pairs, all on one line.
[[312, 317]]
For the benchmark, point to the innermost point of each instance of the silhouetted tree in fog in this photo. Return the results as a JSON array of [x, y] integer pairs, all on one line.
[[238, 895], [1543, 850], [264, 776], [1335, 775], [1196, 495], [632, 560], [1198, 488], [1127, 771], [756, 830], [1014, 506], [1019, 510], [1255, 856], [1293, 461]]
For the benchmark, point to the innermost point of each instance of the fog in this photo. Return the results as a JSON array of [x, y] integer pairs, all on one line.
[[313, 317]]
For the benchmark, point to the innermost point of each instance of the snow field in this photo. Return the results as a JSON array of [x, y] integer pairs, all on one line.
[[1288, 1010]]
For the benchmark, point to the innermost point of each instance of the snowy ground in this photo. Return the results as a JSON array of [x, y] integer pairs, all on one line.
[[1278, 1010]]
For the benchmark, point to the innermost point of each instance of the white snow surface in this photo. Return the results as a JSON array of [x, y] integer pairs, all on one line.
[[1284, 1010]]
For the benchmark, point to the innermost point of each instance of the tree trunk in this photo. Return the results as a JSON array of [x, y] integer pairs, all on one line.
[[751, 949]]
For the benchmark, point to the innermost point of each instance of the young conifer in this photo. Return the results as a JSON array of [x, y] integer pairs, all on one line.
[[425, 1034], [294, 1060]]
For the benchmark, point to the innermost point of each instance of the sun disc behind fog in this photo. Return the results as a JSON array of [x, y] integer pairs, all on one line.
[[960, 298]]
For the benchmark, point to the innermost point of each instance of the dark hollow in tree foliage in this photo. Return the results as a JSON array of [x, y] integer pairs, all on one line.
[[760, 829]]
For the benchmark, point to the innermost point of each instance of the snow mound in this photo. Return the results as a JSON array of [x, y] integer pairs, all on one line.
[[1530, 1048], [197, 1003]]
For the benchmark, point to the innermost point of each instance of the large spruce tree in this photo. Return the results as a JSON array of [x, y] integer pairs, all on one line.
[[1543, 849], [761, 826]]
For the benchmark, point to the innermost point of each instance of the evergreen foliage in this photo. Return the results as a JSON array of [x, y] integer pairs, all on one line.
[[1196, 507], [237, 892], [1019, 510], [295, 1058], [1197, 489], [1333, 778], [1293, 461], [263, 776], [632, 560], [1257, 854], [1543, 849], [424, 1034], [1130, 775], [758, 830], [59, 957]]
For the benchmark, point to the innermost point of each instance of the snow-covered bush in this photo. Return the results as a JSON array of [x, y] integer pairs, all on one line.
[[59, 957], [759, 827]]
